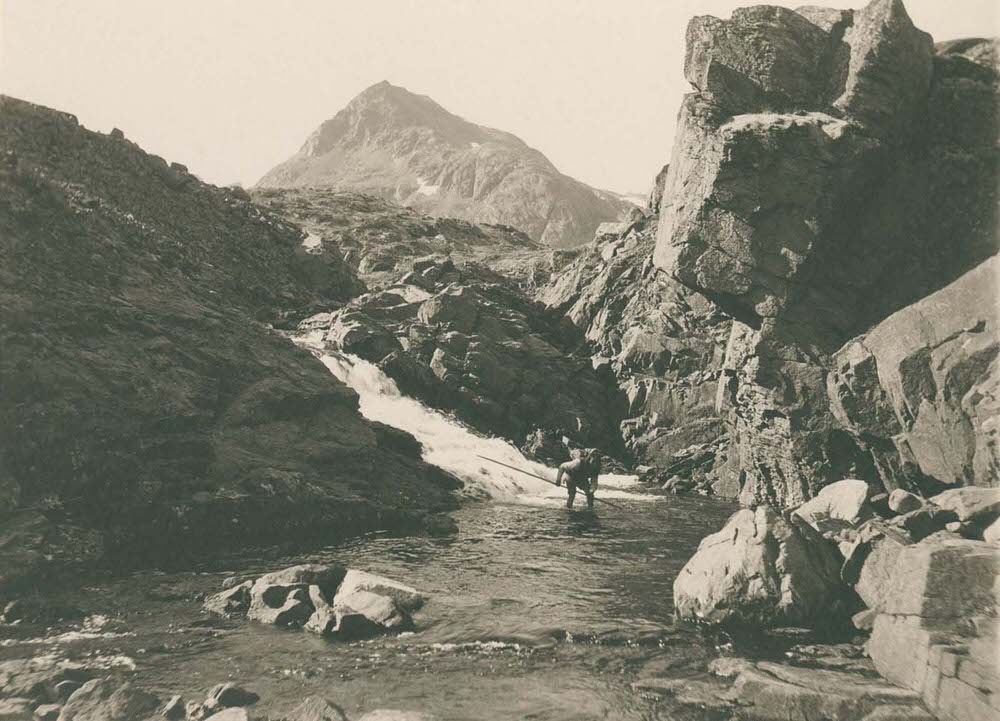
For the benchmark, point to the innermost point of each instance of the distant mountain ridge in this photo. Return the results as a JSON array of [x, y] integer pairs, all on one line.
[[407, 148]]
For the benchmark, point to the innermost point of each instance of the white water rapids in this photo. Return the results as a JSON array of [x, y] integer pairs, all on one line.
[[450, 445]]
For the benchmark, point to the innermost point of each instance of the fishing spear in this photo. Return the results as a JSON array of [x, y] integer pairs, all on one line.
[[541, 478]]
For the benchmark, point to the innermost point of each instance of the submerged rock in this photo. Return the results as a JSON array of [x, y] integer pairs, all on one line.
[[231, 694], [761, 570], [777, 692], [316, 708]]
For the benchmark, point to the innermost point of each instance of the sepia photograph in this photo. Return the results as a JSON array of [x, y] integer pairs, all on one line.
[[536, 360]]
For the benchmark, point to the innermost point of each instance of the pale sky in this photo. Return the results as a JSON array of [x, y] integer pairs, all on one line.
[[232, 87]]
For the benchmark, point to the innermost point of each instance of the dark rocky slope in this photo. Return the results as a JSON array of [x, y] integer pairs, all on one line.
[[831, 168], [146, 415], [463, 338], [406, 148], [380, 239]]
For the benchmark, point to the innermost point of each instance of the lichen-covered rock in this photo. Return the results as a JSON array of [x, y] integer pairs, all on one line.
[[760, 569]]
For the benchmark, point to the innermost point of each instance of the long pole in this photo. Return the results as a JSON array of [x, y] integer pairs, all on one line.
[[541, 478]]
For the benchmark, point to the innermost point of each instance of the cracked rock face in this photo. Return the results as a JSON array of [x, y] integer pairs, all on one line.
[[922, 388], [818, 185], [663, 342]]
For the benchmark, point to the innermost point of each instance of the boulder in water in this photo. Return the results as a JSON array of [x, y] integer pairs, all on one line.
[[282, 597], [379, 610], [231, 694], [760, 569], [233, 602], [408, 599]]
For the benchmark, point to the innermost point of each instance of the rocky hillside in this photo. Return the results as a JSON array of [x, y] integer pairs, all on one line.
[[831, 168], [466, 339], [405, 147], [380, 239], [145, 409]]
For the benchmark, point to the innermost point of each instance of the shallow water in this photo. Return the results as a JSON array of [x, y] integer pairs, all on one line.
[[535, 612]]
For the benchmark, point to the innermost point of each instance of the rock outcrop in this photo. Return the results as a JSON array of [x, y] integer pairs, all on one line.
[[405, 147], [662, 343], [146, 409], [921, 390], [468, 340], [938, 629], [830, 168]]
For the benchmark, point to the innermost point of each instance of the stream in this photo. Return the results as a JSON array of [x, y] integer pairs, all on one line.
[[535, 612]]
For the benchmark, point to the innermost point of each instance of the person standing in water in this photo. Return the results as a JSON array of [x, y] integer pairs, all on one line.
[[581, 473]]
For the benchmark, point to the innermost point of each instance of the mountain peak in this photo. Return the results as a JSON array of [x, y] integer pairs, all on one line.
[[407, 148]]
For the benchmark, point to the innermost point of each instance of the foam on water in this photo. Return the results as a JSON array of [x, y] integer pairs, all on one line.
[[450, 445]]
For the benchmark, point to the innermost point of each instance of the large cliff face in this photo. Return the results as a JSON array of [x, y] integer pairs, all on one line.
[[407, 148], [662, 342], [145, 410], [830, 168]]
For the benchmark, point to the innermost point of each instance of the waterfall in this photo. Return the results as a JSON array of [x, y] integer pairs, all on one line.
[[447, 443]]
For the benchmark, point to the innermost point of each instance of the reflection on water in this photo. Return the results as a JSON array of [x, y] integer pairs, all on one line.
[[535, 612]]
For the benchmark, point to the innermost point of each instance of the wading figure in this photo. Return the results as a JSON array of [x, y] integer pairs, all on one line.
[[581, 473]]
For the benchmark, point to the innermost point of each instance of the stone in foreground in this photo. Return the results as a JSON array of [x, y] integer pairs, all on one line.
[[106, 699], [760, 569], [776, 692], [937, 632]]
